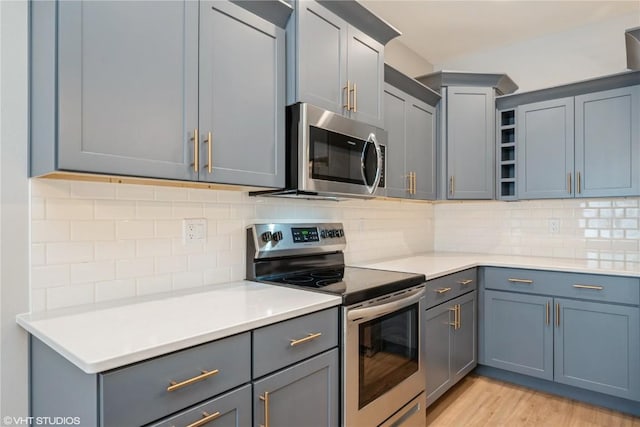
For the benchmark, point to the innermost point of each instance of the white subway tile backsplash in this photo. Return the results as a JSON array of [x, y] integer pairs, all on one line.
[[217, 275], [114, 209], [153, 210], [115, 289], [170, 194], [190, 279], [69, 209], [134, 192], [38, 254], [154, 284], [153, 247], [38, 300], [70, 252], [92, 271], [170, 264], [135, 229], [92, 190], [50, 188], [38, 210], [70, 296], [168, 228], [49, 276], [50, 231], [117, 249], [134, 267], [92, 230]]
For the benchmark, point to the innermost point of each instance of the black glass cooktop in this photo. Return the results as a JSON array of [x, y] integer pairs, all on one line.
[[354, 284]]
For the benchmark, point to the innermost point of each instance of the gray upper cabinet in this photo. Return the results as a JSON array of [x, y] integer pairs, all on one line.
[[411, 150], [127, 81], [577, 140], [337, 63], [242, 80], [124, 88], [607, 141], [545, 149], [470, 117]]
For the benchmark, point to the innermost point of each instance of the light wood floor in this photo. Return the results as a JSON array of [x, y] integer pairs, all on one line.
[[481, 401]]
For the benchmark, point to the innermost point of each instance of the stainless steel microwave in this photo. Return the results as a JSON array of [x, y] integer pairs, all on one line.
[[331, 156]]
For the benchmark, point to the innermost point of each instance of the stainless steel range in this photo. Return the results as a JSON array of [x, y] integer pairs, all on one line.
[[381, 349]]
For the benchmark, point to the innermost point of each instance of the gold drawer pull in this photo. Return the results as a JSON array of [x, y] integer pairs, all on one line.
[[442, 290], [206, 420], [305, 339], [265, 399], [465, 282], [527, 281], [594, 287], [205, 374], [558, 315]]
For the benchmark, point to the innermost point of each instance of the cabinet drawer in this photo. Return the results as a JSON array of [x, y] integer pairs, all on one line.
[[453, 285], [231, 409], [595, 287], [139, 394], [284, 343]]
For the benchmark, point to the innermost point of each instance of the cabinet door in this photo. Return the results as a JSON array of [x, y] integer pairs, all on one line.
[[128, 87], [420, 151], [305, 394], [607, 144], [241, 97], [518, 335], [437, 336], [395, 122], [470, 142], [322, 57], [365, 71], [597, 347], [465, 349], [545, 150]]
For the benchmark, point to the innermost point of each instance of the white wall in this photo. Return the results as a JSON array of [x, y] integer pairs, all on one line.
[[14, 207], [405, 60], [99, 241], [578, 54]]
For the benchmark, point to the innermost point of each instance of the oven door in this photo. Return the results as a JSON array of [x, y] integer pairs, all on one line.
[[383, 357], [340, 155]]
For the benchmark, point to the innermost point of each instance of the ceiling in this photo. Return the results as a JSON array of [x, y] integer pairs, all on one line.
[[439, 30]]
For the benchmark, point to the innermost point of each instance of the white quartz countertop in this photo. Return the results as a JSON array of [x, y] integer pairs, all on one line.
[[103, 337], [438, 264]]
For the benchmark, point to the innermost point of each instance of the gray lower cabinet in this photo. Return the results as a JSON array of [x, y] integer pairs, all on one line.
[[411, 150], [159, 89], [590, 340], [468, 141], [305, 394], [450, 331], [335, 65], [218, 382], [582, 146]]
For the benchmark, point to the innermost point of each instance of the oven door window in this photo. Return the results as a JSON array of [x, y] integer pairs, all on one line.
[[337, 157], [388, 353]]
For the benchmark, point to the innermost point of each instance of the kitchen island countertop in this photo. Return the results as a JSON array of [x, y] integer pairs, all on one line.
[[436, 264], [105, 336]]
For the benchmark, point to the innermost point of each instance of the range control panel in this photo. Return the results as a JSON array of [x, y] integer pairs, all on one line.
[[297, 238]]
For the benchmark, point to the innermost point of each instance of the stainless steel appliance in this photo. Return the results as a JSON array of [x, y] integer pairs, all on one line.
[[331, 156], [381, 349]]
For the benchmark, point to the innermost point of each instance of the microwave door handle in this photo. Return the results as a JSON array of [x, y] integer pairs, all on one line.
[[363, 168], [368, 313]]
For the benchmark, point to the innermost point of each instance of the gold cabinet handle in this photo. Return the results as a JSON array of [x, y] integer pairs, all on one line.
[[265, 399], [348, 95], [526, 281], [458, 317], [442, 290], [409, 178], [579, 183], [452, 183], [206, 420], [308, 338], [355, 98], [203, 376], [196, 142], [548, 312], [415, 183], [209, 164], [465, 282], [558, 315], [455, 317], [593, 287], [569, 183]]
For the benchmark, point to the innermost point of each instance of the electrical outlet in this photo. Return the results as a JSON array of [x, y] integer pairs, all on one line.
[[554, 225], [194, 230]]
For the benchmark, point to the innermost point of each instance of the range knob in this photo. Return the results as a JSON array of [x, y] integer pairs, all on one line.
[[339, 232], [324, 234], [277, 236], [266, 236], [332, 233]]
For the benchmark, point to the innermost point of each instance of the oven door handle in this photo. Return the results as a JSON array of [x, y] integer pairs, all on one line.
[[368, 313], [363, 167]]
